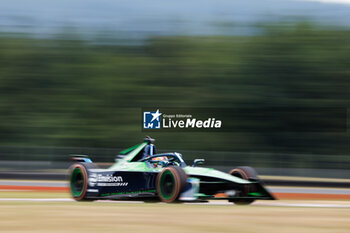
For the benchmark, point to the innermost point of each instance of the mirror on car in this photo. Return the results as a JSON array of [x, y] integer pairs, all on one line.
[[198, 162]]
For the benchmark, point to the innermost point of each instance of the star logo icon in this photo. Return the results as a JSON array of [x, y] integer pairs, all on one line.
[[156, 115]]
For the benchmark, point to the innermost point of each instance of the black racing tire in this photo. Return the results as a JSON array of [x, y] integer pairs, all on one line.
[[183, 176], [246, 173], [243, 202], [78, 180], [170, 183]]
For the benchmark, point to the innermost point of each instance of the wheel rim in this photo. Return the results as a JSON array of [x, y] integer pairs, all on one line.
[[167, 185], [77, 182]]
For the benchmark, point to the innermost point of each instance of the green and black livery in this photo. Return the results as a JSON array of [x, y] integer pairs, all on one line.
[[140, 173]]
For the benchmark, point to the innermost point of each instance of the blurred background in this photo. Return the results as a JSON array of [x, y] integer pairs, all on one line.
[[74, 76]]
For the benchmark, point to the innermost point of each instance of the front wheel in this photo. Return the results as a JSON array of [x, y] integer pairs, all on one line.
[[246, 173], [170, 183]]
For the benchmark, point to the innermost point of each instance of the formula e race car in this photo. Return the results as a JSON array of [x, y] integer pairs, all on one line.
[[142, 174]]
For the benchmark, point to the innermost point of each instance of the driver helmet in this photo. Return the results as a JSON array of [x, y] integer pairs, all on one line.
[[160, 158]]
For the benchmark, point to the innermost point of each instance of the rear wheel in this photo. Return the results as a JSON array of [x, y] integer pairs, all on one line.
[[78, 180], [246, 173], [170, 183]]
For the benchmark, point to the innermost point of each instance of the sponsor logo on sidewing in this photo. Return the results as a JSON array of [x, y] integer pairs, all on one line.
[[106, 180]]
